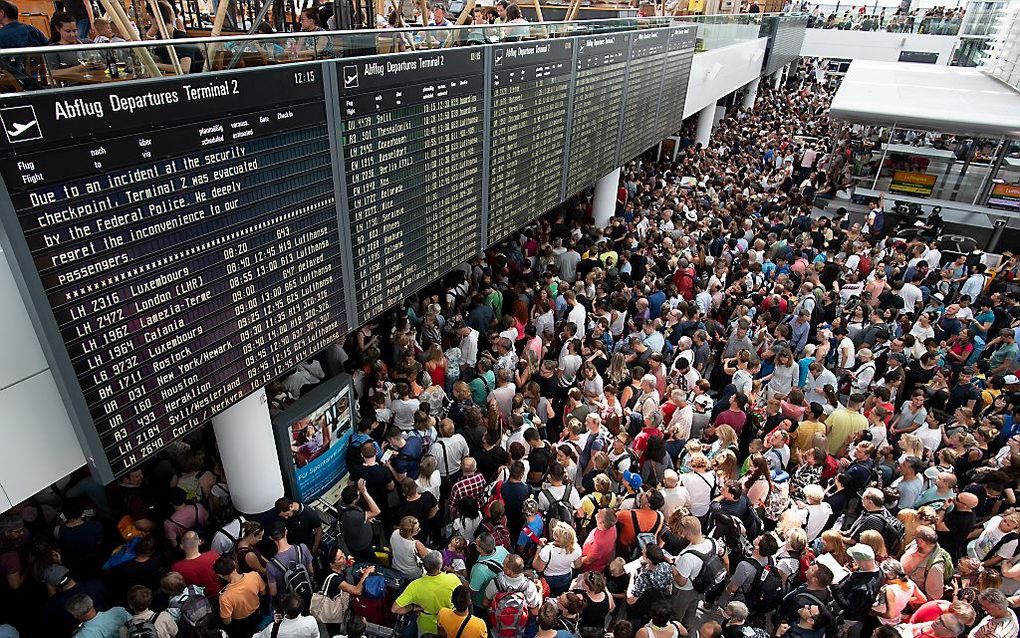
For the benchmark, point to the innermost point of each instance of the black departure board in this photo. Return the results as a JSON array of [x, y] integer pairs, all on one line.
[[648, 49], [598, 97], [785, 35], [530, 96], [412, 144], [675, 79], [184, 233]]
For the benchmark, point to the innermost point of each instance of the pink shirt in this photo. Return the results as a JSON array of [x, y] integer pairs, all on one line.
[[599, 549]]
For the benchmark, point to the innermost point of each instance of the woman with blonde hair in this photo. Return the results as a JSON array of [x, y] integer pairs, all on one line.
[[558, 559], [407, 550], [701, 483], [617, 373], [833, 544], [435, 365], [725, 465], [911, 445], [874, 540], [908, 517], [726, 439]]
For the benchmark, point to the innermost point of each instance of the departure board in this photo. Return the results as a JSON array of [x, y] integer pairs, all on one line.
[[530, 94], [675, 79], [412, 144], [184, 234], [644, 83], [598, 97]]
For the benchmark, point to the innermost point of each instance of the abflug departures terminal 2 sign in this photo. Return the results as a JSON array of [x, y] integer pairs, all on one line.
[[184, 241], [185, 237]]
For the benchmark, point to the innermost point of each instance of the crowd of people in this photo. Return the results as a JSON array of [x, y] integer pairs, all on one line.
[[933, 20], [723, 413]]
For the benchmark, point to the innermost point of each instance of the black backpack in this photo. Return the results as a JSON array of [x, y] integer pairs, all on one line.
[[296, 579], [892, 533], [766, 589], [711, 578], [559, 509], [144, 628]]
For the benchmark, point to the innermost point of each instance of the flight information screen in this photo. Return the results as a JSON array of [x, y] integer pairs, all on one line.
[[644, 82], [185, 237], [530, 97], [675, 79], [412, 134], [598, 98]]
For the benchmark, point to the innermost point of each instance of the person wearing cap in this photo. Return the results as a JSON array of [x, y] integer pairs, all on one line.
[[62, 587], [285, 554], [856, 593]]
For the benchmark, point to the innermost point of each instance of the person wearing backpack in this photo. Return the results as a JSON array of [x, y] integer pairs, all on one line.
[[186, 517], [512, 599], [240, 599], [757, 579], [144, 622], [488, 566], [875, 517], [927, 563], [697, 571], [856, 593], [290, 570], [558, 500]]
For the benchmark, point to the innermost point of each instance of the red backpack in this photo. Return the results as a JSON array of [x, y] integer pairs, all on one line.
[[508, 613]]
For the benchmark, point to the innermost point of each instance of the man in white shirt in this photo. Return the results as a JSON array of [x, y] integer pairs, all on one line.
[[911, 295], [974, 284], [675, 495], [686, 568], [577, 314], [293, 624], [449, 450], [468, 346]]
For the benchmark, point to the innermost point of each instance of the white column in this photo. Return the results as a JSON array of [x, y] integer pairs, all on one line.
[[777, 78], [750, 93], [247, 446], [706, 117], [603, 205]]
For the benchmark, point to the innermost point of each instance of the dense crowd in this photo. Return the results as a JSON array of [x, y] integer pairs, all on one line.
[[724, 414]]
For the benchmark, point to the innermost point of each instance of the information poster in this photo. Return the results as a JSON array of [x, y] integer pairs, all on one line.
[[1005, 196], [319, 444], [911, 183]]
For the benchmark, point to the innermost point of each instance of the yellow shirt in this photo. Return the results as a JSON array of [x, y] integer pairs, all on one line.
[[431, 593], [805, 434], [588, 502], [451, 621], [843, 423]]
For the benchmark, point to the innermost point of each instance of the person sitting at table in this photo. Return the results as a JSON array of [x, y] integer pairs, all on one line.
[[14, 34], [191, 56], [64, 31], [313, 47], [105, 31]]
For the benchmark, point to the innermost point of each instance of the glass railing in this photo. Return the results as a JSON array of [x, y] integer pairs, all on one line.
[[76, 65], [845, 18]]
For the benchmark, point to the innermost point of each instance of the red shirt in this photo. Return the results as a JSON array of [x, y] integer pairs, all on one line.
[[599, 550], [199, 571], [736, 419]]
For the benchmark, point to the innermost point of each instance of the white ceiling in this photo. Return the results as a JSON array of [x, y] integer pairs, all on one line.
[[946, 98]]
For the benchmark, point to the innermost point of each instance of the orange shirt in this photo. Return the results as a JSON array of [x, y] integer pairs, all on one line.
[[649, 521], [240, 599]]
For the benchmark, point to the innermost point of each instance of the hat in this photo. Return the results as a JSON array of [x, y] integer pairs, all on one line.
[[56, 575], [860, 551], [1011, 379], [633, 480], [11, 523], [691, 216], [899, 357]]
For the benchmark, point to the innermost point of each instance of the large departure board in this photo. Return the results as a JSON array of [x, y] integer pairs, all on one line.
[[412, 144], [644, 84], [184, 235], [598, 99], [675, 79], [530, 95]]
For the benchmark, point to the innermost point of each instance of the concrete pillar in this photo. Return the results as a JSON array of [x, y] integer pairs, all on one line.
[[603, 205], [706, 117], [244, 436], [750, 93], [777, 79]]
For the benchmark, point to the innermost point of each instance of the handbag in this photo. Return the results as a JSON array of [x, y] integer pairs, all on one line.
[[330, 610]]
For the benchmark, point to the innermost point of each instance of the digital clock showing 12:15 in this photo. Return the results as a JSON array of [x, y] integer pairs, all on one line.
[[304, 77]]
